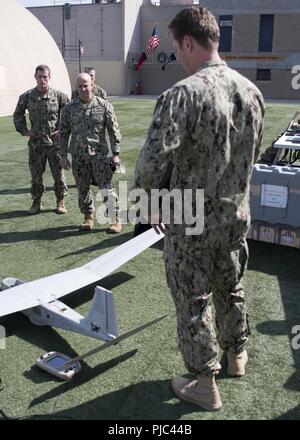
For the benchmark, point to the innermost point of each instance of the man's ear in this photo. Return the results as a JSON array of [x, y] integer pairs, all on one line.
[[188, 42]]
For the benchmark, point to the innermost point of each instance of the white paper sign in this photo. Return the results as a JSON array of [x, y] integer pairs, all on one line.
[[274, 196]]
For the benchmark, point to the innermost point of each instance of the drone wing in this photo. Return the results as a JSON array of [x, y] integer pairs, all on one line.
[[44, 290]]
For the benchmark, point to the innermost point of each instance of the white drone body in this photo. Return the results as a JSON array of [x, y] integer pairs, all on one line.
[[39, 299]]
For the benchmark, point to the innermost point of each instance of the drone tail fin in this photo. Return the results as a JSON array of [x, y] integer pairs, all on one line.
[[102, 315]]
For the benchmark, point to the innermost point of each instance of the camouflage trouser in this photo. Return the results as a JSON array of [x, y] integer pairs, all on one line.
[[96, 169], [37, 161], [196, 277], [74, 172]]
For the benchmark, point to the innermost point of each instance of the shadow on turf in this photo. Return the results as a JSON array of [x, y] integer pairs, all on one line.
[[16, 191], [292, 414], [160, 408], [19, 325], [111, 241], [282, 262], [151, 400], [46, 338], [45, 234], [76, 299], [17, 214], [88, 373]]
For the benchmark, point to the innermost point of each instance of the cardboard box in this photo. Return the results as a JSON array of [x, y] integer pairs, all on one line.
[[267, 233], [289, 237]]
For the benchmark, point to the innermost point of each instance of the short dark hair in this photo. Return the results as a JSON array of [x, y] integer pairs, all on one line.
[[42, 68], [199, 23], [88, 69]]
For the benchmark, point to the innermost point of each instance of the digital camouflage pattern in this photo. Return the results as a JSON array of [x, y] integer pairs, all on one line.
[[87, 124], [44, 114], [196, 277], [37, 160], [209, 128], [97, 91]]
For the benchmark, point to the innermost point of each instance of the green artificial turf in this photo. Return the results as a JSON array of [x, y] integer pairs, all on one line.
[[132, 379]]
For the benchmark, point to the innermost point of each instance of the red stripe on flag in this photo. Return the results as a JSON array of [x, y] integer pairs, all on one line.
[[152, 44]]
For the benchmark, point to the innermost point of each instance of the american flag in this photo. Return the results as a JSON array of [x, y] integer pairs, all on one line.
[[153, 42]]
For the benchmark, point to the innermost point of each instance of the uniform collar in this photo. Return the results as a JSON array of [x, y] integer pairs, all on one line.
[[212, 64], [85, 104], [48, 95]]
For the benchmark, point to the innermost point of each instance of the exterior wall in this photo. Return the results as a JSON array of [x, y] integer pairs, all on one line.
[[176, 3], [132, 41], [132, 25], [24, 44], [98, 26], [287, 33], [237, 7], [109, 75], [118, 33], [279, 86], [244, 55], [245, 33], [153, 79]]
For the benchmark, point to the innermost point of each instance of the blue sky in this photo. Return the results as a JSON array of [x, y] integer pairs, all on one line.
[[35, 2]]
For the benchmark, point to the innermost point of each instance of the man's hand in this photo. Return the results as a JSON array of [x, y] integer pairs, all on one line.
[[156, 223], [31, 134], [116, 160], [65, 163], [159, 228]]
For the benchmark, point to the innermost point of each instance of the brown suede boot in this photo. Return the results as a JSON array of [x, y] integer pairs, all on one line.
[[202, 391], [88, 223], [237, 363], [116, 228], [36, 207], [61, 209]]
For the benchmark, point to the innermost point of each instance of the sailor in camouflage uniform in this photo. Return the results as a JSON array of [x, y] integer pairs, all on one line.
[[209, 128], [97, 90], [44, 106], [87, 118]]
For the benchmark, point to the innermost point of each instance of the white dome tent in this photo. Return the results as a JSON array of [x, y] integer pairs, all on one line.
[[24, 44]]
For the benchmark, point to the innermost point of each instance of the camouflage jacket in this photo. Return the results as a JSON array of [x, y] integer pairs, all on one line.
[[97, 91], [209, 128], [44, 114], [87, 124]]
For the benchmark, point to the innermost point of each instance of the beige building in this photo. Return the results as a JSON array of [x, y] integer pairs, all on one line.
[[259, 39]]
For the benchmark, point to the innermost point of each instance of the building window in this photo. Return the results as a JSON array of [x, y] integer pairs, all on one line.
[[225, 24], [263, 75], [266, 33], [67, 11]]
